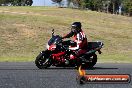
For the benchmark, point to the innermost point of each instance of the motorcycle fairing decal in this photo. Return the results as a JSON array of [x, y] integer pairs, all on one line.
[[52, 47], [58, 54]]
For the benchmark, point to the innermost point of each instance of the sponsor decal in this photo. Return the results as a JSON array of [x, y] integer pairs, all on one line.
[[83, 78]]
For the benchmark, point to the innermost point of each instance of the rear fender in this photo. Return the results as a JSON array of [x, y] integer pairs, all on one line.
[[94, 46]]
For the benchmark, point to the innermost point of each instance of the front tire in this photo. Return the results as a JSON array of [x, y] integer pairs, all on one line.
[[42, 61]]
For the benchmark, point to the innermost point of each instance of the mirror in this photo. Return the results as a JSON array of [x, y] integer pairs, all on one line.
[[52, 32]]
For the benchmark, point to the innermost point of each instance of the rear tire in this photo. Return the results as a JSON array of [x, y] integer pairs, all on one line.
[[42, 61], [92, 60]]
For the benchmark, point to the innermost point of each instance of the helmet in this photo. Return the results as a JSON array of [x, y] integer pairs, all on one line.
[[76, 26]]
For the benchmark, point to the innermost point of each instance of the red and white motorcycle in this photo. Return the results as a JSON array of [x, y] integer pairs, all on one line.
[[57, 54]]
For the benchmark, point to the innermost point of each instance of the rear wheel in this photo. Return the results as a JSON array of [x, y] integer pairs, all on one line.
[[42, 61], [90, 62]]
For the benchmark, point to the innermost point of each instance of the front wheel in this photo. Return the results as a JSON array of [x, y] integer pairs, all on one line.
[[42, 61]]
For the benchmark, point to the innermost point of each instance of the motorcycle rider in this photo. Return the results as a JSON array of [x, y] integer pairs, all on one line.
[[79, 38]]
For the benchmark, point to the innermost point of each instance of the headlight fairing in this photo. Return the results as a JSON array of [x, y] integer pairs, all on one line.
[[51, 47]]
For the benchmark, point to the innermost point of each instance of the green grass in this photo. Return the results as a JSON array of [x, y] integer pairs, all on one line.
[[116, 58], [24, 31]]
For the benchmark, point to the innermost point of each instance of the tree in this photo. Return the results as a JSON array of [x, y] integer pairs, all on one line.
[[68, 2], [93, 4], [109, 6], [28, 2], [58, 2], [4, 2], [127, 5], [78, 3], [17, 2]]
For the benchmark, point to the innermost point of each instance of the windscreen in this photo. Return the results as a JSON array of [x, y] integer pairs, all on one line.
[[54, 40]]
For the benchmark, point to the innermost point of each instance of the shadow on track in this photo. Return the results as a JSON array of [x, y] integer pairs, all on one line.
[[103, 68], [55, 68], [94, 68]]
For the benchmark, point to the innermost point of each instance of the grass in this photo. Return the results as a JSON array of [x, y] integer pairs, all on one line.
[[24, 31]]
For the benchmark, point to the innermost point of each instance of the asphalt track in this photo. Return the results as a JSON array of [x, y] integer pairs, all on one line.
[[27, 75]]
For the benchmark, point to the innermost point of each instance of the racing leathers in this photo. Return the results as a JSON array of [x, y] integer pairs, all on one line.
[[81, 41]]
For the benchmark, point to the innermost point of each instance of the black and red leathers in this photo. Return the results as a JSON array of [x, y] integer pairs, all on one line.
[[80, 39]]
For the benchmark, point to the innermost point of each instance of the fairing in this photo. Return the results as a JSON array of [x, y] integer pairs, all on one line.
[[53, 41]]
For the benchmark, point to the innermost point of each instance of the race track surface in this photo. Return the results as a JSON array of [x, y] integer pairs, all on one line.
[[27, 75]]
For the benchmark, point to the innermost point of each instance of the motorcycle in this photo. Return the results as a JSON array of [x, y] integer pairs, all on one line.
[[57, 54]]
